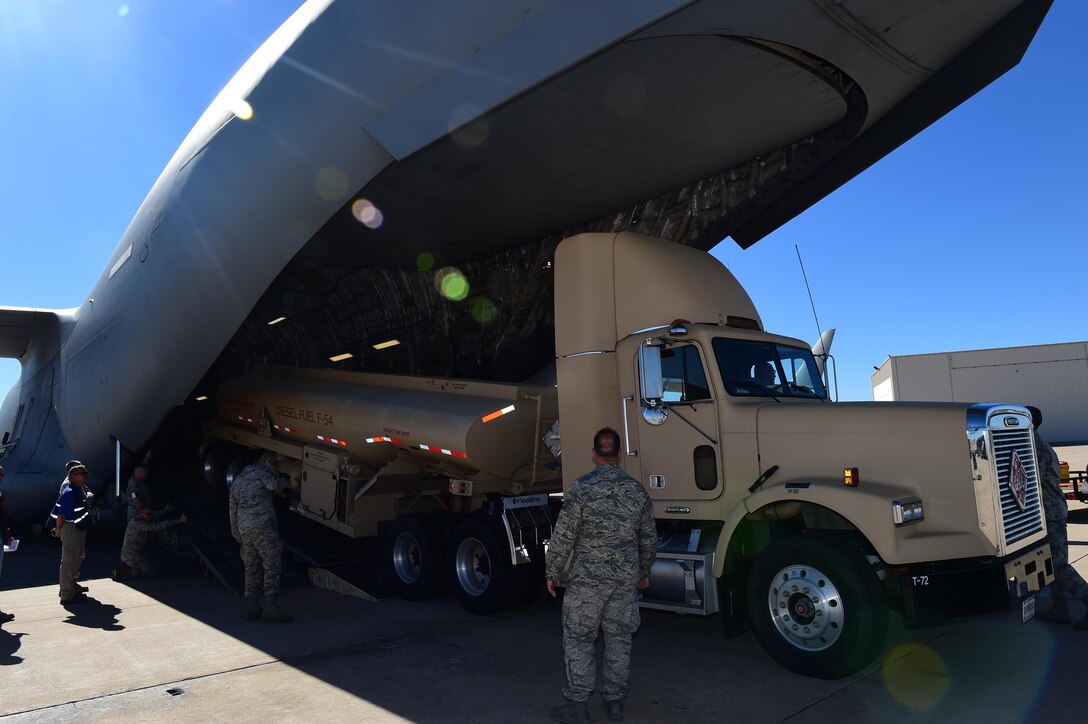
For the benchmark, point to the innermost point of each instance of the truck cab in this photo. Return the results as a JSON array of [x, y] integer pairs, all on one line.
[[801, 517]]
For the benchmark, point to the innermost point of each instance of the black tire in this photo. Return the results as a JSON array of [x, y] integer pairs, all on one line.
[[479, 568], [414, 554], [215, 467], [237, 460], [830, 614], [443, 522], [527, 580]]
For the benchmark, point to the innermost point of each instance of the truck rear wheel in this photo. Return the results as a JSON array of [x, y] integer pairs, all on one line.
[[479, 567], [237, 460], [215, 467], [414, 553], [527, 580], [817, 607]]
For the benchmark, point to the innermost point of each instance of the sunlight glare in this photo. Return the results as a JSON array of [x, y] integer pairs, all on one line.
[[241, 109]]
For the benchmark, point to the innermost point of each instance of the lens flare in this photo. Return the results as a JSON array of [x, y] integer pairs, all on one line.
[[123, 11], [919, 684], [331, 183], [467, 127], [241, 109], [451, 283], [367, 214], [483, 310], [425, 261]]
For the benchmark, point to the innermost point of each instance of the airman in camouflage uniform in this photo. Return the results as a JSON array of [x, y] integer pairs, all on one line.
[[606, 529], [134, 547], [253, 525], [135, 561], [139, 493], [1067, 582]]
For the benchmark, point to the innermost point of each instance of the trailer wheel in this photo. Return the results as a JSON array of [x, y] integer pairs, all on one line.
[[527, 580], [215, 468], [413, 551], [479, 567], [237, 460], [817, 607]]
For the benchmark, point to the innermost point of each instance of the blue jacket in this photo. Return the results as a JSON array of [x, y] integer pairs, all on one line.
[[72, 504]]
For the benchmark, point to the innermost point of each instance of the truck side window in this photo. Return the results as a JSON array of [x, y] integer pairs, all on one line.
[[682, 373]]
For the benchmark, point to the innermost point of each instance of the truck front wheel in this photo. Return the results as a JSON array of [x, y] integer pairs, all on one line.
[[479, 567], [817, 606]]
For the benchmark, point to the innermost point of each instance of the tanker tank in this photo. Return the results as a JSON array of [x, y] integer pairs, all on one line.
[[483, 431]]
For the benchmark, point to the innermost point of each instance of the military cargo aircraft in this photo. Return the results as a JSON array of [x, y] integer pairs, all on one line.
[[367, 148]]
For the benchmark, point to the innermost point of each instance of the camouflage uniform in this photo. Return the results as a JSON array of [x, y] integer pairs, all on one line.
[[1067, 582], [134, 549], [253, 525], [606, 528], [137, 490]]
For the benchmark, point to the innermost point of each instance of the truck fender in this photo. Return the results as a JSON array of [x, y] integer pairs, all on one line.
[[867, 508]]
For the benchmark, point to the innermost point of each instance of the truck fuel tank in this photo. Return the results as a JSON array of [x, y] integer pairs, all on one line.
[[481, 430]]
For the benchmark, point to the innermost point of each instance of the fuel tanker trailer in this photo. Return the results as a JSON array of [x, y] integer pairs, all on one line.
[[777, 509], [454, 473]]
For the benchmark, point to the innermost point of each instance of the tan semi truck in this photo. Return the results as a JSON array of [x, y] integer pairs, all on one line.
[[777, 508]]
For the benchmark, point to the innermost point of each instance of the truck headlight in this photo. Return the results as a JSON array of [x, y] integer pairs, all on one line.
[[908, 510]]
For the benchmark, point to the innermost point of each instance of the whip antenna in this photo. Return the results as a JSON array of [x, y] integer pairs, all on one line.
[[809, 290]]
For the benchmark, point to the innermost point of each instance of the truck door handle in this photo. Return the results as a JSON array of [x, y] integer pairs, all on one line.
[[626, 432]]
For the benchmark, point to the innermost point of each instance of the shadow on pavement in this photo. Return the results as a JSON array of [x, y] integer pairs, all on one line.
[[9, 644], [92, 613]]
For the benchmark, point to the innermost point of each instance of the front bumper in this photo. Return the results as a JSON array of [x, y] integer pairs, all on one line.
[[935, 593]]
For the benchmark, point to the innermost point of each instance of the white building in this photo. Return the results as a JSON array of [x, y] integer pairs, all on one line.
[[1052, 377]]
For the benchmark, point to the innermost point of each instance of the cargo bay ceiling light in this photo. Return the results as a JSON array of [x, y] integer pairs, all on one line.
[[277, 320], [341, 357], [386, 345], [201, 398]]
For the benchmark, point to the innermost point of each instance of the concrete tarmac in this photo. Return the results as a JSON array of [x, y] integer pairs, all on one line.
[[178, 649]]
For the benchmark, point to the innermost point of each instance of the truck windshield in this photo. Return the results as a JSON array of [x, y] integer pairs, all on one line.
[[765, 369]]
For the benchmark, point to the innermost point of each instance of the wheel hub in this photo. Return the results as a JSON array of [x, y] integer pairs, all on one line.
[[806, 607], [407, 557], [473, 566]]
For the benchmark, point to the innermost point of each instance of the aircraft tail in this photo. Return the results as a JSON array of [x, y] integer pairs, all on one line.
[[34, 337], [19, 326]]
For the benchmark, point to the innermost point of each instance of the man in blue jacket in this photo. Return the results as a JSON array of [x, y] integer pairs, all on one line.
[[71, 517]]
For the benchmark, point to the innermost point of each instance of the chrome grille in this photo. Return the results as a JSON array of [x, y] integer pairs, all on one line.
[[1018, 524]]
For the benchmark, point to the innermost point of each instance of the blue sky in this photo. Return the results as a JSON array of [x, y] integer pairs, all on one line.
[[966, 237]]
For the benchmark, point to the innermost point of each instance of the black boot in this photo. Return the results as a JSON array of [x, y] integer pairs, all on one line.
[[254, 611], [614, 710], [273, 612], [572, 712]]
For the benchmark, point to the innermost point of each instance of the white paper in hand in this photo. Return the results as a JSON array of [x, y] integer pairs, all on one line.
[[12, 547]]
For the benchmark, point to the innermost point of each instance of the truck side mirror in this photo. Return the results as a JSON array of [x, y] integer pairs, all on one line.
[[651, 386]]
